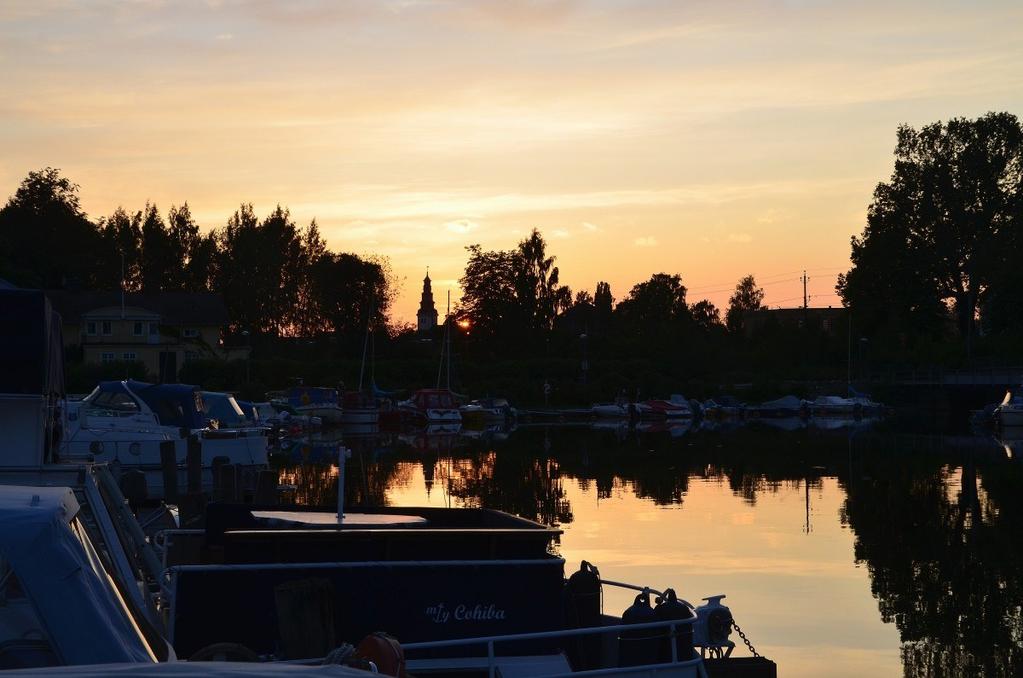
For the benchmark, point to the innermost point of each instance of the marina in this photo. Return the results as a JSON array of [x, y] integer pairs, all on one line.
[[515, 339]]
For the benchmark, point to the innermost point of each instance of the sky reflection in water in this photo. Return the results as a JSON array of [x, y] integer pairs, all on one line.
[[905, 562]]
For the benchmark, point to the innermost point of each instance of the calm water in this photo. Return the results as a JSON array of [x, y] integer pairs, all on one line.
[[843, 552]]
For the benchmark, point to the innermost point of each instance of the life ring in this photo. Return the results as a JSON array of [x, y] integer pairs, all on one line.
[[385, 652]]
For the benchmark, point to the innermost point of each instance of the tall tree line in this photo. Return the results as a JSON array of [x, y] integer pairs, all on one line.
[[943, 242], [514, 303], [276, 279]]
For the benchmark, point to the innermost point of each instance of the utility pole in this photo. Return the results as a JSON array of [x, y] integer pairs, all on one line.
[[804, 289]]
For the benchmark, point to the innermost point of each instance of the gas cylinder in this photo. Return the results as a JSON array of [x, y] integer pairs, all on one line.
[[638, 647], [670, 608], [713, 623]]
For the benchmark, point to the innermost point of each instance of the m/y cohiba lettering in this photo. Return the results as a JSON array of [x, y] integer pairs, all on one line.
[[439, 614]]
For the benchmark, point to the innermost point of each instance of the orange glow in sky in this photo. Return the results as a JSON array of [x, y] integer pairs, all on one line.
[[707, 139]]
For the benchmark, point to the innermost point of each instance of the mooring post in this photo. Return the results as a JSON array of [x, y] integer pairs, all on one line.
[[193, 462], [169, 466]]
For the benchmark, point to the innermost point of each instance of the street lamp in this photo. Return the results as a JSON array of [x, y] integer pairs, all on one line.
[[586, 362], [248, 358]]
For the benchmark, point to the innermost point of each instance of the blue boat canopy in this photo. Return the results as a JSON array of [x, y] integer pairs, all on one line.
[[74, 602], [178, 405]]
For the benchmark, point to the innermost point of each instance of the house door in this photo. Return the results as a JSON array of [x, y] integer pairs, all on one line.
[[168, 367]]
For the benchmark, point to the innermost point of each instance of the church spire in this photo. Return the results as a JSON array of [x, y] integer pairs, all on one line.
[[427, 315]]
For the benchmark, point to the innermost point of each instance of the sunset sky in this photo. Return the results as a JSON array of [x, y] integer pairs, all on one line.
[[710, 139]]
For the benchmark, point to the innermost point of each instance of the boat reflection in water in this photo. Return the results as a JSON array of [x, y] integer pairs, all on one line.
[[834, 514]]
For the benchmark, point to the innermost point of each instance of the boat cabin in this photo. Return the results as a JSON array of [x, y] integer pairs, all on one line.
[[420, 573], [177, 405], [434, 399]]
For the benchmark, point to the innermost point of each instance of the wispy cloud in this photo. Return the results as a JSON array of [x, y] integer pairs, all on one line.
[[461, 226], [742, 238], [645, 241]]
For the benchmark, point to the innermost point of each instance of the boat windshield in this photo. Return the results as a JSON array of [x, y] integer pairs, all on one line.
[[110, 403], [24, 642]]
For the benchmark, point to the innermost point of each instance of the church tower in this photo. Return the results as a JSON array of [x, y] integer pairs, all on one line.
[[427, 315]]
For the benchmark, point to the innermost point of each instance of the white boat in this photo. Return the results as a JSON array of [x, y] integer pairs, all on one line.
[[359, 408], [1010, 411], [780, 408], [677, 407], [311, 401], [133, 423], [610, 411], [432, 405], [832, 406], [488, 411]]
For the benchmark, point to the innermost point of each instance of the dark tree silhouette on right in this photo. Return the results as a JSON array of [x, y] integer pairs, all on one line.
[[943, 233]]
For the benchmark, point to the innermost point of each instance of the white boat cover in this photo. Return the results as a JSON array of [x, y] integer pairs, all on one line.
[[83, 619], [190, 669], [784, 403]]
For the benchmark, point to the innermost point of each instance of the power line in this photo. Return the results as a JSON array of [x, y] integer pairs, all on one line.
[[725, 287]]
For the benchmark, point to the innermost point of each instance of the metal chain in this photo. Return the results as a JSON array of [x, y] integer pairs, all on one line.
[[745, 639]]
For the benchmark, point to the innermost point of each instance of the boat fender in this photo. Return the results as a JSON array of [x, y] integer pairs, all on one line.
[[224, 652], [583, 603], [584, 597], [639, 647], [385, 652], [670, 608], [714, 623]]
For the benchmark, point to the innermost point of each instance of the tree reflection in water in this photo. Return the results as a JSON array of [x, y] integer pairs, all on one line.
[[937, 520], [941, 538]]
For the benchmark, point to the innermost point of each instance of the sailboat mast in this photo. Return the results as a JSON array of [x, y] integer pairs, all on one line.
[[447, 335], [440, 365], [365, 343]]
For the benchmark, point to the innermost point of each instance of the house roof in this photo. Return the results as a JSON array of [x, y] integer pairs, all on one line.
[[199, 308]]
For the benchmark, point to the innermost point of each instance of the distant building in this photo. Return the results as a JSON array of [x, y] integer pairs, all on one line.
[[161, 330], [824, 320], [427, 315]]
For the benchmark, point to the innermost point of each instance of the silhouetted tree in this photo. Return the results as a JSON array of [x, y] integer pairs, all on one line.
[[260, 270], [747, 297], [706, 315], [122, 261], [344, 290], [488, 291], [46, 240], [943, 229], [537, 288], [655, 311], [162, 259], [192, 273]]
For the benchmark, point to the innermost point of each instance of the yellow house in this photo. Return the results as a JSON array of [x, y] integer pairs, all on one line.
[[160, 330]]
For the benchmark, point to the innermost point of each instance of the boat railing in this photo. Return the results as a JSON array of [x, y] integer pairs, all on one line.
[[491, 642]]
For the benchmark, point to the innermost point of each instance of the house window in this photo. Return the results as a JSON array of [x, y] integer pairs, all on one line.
[[106, 357], [106, 327], [154, 329], [191, 355], [128, 356], [136, 328], [90, 328], [190, 333]]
